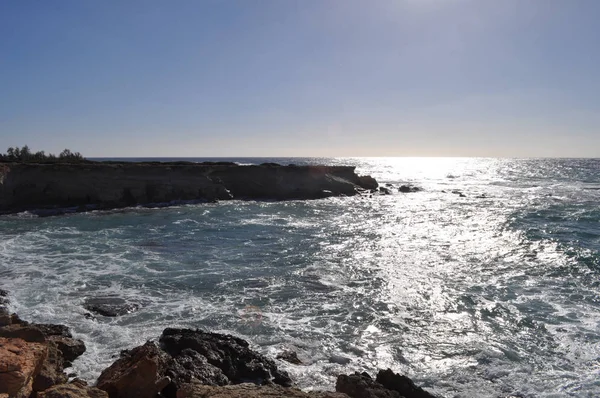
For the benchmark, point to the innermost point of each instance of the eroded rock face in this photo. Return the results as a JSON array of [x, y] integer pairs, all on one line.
[[20, 363], [197, 390]]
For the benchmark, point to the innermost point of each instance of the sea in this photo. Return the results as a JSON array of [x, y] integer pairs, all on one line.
[[486, 283]]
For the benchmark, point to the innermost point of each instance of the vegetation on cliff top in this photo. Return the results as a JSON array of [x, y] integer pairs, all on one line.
[[25, 155]]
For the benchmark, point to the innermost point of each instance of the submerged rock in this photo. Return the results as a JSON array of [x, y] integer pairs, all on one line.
[[289, 356], [408, 189], [110, 306]]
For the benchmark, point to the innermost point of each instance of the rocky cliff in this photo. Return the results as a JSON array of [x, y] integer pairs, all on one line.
[[111, 185]]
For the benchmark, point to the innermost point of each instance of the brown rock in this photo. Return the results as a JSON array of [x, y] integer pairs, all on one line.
[[138, 373], [73, 390], [51, 372], [21, 362], [247, 390]]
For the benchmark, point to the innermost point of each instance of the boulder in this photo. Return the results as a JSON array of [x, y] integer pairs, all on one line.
[[139, 372], [385, 191], [247, 390], [230, 354], [20, 361], [367, 182], [290, 356]]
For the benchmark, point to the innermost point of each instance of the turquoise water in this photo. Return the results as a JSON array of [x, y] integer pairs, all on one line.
[[490, 294]]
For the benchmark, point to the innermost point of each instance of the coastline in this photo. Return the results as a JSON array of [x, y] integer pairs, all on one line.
[[182, 363]]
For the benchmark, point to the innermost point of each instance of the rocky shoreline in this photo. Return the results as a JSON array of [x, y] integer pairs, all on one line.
[[50, 189], [182, 363]]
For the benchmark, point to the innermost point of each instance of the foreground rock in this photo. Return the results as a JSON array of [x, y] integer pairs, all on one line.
[[185, 356], [78, 187], [387, 385], [197, 390], [33, 356]]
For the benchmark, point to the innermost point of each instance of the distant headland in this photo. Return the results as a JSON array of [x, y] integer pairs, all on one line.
[[49, 184]]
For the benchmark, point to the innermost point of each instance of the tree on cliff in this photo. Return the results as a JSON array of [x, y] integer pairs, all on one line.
[[25, 155]]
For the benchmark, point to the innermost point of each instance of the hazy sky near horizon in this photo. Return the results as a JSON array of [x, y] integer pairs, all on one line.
[[301, 77]]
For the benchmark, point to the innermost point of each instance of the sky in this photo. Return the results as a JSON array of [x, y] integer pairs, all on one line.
[[111, 78]]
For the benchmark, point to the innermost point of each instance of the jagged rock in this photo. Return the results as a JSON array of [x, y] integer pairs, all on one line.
[[387, 385], [71, 348], [53, 330], [75, 389], [247, 390], [20, 362], [290, 356], [408, 189], [402, 384], [230, 354], [361, 385], [110, 306], [139, 372]]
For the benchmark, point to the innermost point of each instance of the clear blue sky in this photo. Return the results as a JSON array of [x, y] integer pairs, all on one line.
[[301, 77]]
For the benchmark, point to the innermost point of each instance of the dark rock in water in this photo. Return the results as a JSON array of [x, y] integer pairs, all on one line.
[[367, 182], [339, 359], [389, 184], [361, 385], [110, 306], [408, 189], [290, 356], [387, 385], [385, 191], [459, 193], [230, 354], [405, 386]]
